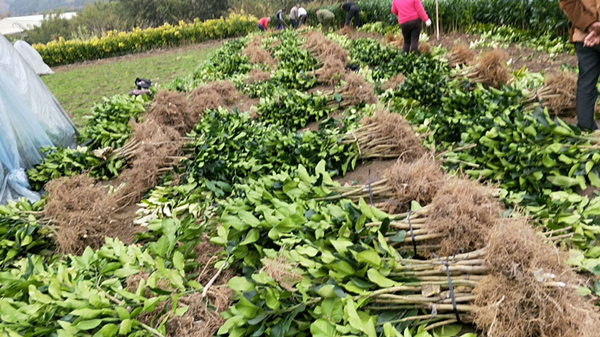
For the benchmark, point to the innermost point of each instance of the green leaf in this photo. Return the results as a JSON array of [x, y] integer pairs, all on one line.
[[322, 328], [109, 330], [398, 237], [390, 331], [327, 291], [151, 303], [123, 313], [382, 281], [252, 236], [179, 261], [125, 327], [240, 284], [450, 330], [87, 313], [89, 324], [248, 218], [333, 309], [369, 257]]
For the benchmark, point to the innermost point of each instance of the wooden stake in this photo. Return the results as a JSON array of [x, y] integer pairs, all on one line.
[[437, 19]]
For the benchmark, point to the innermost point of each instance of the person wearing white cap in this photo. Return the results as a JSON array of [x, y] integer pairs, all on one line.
[[302, 15]]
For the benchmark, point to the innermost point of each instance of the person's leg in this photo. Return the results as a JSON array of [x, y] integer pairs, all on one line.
[[262, 29], [294, 23], [587, 93], [348, 18], [414, 35], [406, 33], [356, 17]]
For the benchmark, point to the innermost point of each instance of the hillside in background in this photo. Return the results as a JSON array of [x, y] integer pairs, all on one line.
[[28, 7]]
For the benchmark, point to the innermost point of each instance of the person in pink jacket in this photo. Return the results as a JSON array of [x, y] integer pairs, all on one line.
[[411, 16]]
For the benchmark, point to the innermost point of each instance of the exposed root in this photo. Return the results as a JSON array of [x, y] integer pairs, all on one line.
[[257, 76], [393, 83], [282, 271], [257, 54], [357, 91], [559, 95], [212, 96], [530, 291], [461, 55], [331, 72], [424, 48], [463, 211], [490, 70], [416, 181], [172, 109]]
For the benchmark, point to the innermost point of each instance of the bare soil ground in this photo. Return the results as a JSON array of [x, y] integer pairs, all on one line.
[[533, 60], [369, 169]]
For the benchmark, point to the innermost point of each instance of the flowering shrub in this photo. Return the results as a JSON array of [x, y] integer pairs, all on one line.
[[115, 43]]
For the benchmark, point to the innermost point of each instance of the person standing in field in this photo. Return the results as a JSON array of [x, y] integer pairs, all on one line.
[[411, 16], [585, 35], [263, 24], [302, 15], [325, 18], [294, 16], [279, 19], [352, 9]]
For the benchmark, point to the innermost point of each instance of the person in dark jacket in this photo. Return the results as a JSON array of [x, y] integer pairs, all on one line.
[[585, 34], [279, 19], [352, 9]]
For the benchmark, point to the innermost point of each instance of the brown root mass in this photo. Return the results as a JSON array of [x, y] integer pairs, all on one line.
[[491, 70], [393, 83], [357, 91], [396, 41], [172, 109], [464, 211], [461, 55], [521, 297], [282, 271], [324, 48], [331, 72], [561, 99], [257, 54], [213, 95], [415, 181], [257, 76], [81, 211], [397, 132], [158, 145], [424, 48]]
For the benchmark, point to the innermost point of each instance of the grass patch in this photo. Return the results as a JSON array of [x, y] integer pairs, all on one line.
[[78, 87]]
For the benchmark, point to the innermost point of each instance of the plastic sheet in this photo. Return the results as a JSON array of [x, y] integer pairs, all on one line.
[[33, 58], [36, 96], [21, 138]]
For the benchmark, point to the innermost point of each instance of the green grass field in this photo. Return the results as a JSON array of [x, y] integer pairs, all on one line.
[[77, 89]]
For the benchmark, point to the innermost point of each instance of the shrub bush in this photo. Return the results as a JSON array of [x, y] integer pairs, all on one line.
[[120, 43]]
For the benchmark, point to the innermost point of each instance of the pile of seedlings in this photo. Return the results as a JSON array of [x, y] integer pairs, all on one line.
[[257, 54], [333, 57]]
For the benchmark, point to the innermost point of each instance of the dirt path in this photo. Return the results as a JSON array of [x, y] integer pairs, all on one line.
[[521, 56], [154, 52]]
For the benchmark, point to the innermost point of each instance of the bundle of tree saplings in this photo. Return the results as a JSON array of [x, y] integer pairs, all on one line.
[[257, 54], [304, 259], [558, 94], [84, 212], [461, 56], [406, 181], [393, 83], [490, 70]]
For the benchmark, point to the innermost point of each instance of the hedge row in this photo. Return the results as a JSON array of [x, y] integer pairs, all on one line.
[[120, 43]]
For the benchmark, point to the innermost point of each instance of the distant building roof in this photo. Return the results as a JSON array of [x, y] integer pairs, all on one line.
[[18, 24]]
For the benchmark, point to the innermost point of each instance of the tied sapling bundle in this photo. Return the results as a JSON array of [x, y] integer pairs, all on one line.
[[558, 94], [461, 56], [490, 70], [257, 54]]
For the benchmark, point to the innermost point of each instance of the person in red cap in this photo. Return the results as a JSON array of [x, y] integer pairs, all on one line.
[[411, 16], [263, 24]]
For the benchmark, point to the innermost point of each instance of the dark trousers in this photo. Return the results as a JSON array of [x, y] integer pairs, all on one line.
[[302, 20], [411, 31], [587, 93], [280, 24], [294, 23], [353, 12], [262, 29]]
